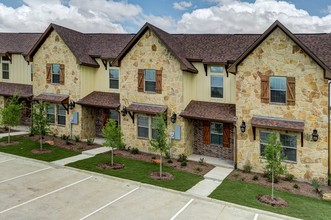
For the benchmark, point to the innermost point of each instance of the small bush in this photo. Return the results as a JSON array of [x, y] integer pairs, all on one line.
[[316, 184], [167, 155], [198, 168], [247, 168], [182, 158], [202, 161], [289, 177], [170, 161], [255, 177], [183, 163], [153, 157], [90, 141], [135, 150], [54, 135], [296, 186], [77, 138], [64, 137]]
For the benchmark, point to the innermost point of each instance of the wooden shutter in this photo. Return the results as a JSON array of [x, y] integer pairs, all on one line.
[[226, 135], [265, 89], [158, 88], [62, 74], [206, 132], [141, 77], [48, 73], [290, 91]]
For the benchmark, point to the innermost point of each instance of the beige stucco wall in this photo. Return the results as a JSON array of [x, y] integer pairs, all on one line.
[[54, 50], [278, 55], [150, 53], [197, 86], [19, 70]]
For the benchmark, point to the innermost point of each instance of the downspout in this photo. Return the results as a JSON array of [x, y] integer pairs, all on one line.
[[235, 145], [329, 161]]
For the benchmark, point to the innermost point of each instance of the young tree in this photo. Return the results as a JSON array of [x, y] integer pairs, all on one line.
[[40, 121], [274, 156], [159, 142], [113, 137], [11, 114]]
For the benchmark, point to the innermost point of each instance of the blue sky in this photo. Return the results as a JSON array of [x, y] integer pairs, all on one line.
[[175, 16]]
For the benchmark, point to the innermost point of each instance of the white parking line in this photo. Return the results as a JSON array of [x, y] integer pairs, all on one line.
[[256, 215], [3, 181], [7, 160], [92, 213], [39, 197], [182, 209]]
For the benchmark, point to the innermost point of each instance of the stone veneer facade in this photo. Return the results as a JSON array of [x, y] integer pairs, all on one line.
[[278, 55], [54, 50], [150, 53]]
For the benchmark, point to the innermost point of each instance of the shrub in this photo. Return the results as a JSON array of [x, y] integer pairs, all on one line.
[[296, 186], [198, 168], [182, 158], [289, 177], [183, 163], [135, 150], [167, 155], [77, 138], [247, 168], [90, 141], [316, 184], [255, 177], [202, 161], [153, 157], [170, 161]]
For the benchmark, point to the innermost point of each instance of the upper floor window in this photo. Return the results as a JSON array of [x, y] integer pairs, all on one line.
[[278, 89], [5, 70], [216, 133], [275, 89], [55, 73], [149, 80], [216, 82], [113, 78]]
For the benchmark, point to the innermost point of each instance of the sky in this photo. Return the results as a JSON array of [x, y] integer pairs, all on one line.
[[173, 16]]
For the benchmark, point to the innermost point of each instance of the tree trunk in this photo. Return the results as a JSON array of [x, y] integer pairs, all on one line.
[[161, 165], [272, 183], [112, 157], [8, 134], [41, 142]]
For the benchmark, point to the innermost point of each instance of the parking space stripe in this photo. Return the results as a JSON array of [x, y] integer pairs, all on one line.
[[7, 160], [47, 194], [108, 204], [256, 215], [182, 209], [3, 181]]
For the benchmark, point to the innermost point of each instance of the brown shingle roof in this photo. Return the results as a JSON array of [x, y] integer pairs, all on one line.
[[21, 90], [101, 100], [147, 108], [278, 123], [54, 98], [210, 111], [20, 43]]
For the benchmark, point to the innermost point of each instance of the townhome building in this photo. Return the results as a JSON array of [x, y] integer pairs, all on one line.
[[221, 94], [15, 72]]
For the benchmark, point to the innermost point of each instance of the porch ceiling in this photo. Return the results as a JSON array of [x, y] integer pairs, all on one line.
[[210, 111], [101, 100], [51, 97], [21, 90]]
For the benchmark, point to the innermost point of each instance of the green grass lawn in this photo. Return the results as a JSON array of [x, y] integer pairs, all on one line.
[[139, 171], [26, 146], [243, 193]]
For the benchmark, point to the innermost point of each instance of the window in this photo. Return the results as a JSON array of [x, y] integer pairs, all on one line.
[[278, 89], [113, 114], [5, 70], [143, 126], [113, 78], [288, 141], [51, 113], [216, 86], [150, 80], [216, 69], [55, 73], [154, 132], [61, 115], [216, 133]]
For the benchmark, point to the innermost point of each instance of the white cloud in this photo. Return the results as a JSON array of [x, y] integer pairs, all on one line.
[[234, 16], [81, 15], [181, 6]]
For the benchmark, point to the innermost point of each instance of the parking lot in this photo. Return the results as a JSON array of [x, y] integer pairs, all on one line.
[[37, 190]]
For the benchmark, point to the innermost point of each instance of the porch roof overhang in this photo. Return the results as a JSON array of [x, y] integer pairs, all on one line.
[[101, 100], [147, 108], [283, 124], [210, 111], [21, 90], [53, 98]]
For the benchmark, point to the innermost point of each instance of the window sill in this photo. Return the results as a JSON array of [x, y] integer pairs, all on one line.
[[284, 161], [150, 92], [143, 138]]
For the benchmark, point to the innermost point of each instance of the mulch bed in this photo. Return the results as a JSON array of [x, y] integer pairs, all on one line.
[[276, 201], [5, 143], [114, 166], [41, 151], [165, 176]]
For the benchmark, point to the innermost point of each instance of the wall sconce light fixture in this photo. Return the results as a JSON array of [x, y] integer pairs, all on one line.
[[173, 118], [243, 126], [314, 135]]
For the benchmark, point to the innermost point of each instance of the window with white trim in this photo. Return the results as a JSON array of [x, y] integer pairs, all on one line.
[[216, 82], [154, 132], [61, 115], [5, 67], [143, 126], [56, 114], [51, 113], [114, 115], [278, 89], [113, 78], [216, 133]]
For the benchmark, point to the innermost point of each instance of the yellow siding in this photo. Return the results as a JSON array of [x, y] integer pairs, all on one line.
[[19, 70], [197, 86]]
